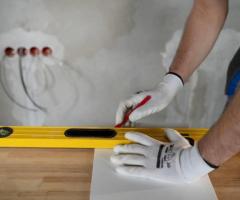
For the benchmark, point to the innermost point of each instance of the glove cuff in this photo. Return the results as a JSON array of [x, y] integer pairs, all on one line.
[[192, 164], [173, 73], [172, 82]]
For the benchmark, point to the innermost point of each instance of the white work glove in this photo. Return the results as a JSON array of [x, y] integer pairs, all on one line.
[[161, 96], [174, 162]]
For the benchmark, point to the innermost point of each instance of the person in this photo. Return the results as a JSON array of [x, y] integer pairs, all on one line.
[[233, 76], [177, 161]]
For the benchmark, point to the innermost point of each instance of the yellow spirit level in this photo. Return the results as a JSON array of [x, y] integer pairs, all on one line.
[[80, 137]]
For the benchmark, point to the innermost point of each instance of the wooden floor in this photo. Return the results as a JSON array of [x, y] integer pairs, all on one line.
[[65, 174], [45, 174], [226, 180]]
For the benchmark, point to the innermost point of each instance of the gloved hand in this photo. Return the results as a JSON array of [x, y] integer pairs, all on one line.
[[174, 162], [160, 98]]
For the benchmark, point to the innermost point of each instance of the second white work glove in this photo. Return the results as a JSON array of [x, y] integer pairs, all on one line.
[[160, 97], [174, 162]]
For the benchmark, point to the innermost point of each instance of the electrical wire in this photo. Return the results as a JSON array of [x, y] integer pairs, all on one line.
[[35, 62], [6, 90], [50, 82], [25, 87], [65, 66]]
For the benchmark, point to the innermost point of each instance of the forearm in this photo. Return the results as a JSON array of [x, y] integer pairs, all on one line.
[[223, 139], [201, 31]]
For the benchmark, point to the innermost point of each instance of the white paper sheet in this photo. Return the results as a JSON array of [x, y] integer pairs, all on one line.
[[108, 185]]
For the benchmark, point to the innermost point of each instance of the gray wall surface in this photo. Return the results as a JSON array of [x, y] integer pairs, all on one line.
[[121, 47]]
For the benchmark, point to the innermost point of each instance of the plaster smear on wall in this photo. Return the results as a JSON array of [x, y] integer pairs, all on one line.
[[205, 89], [133, 64], [50, 81], [27, 14], [117, 45]]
